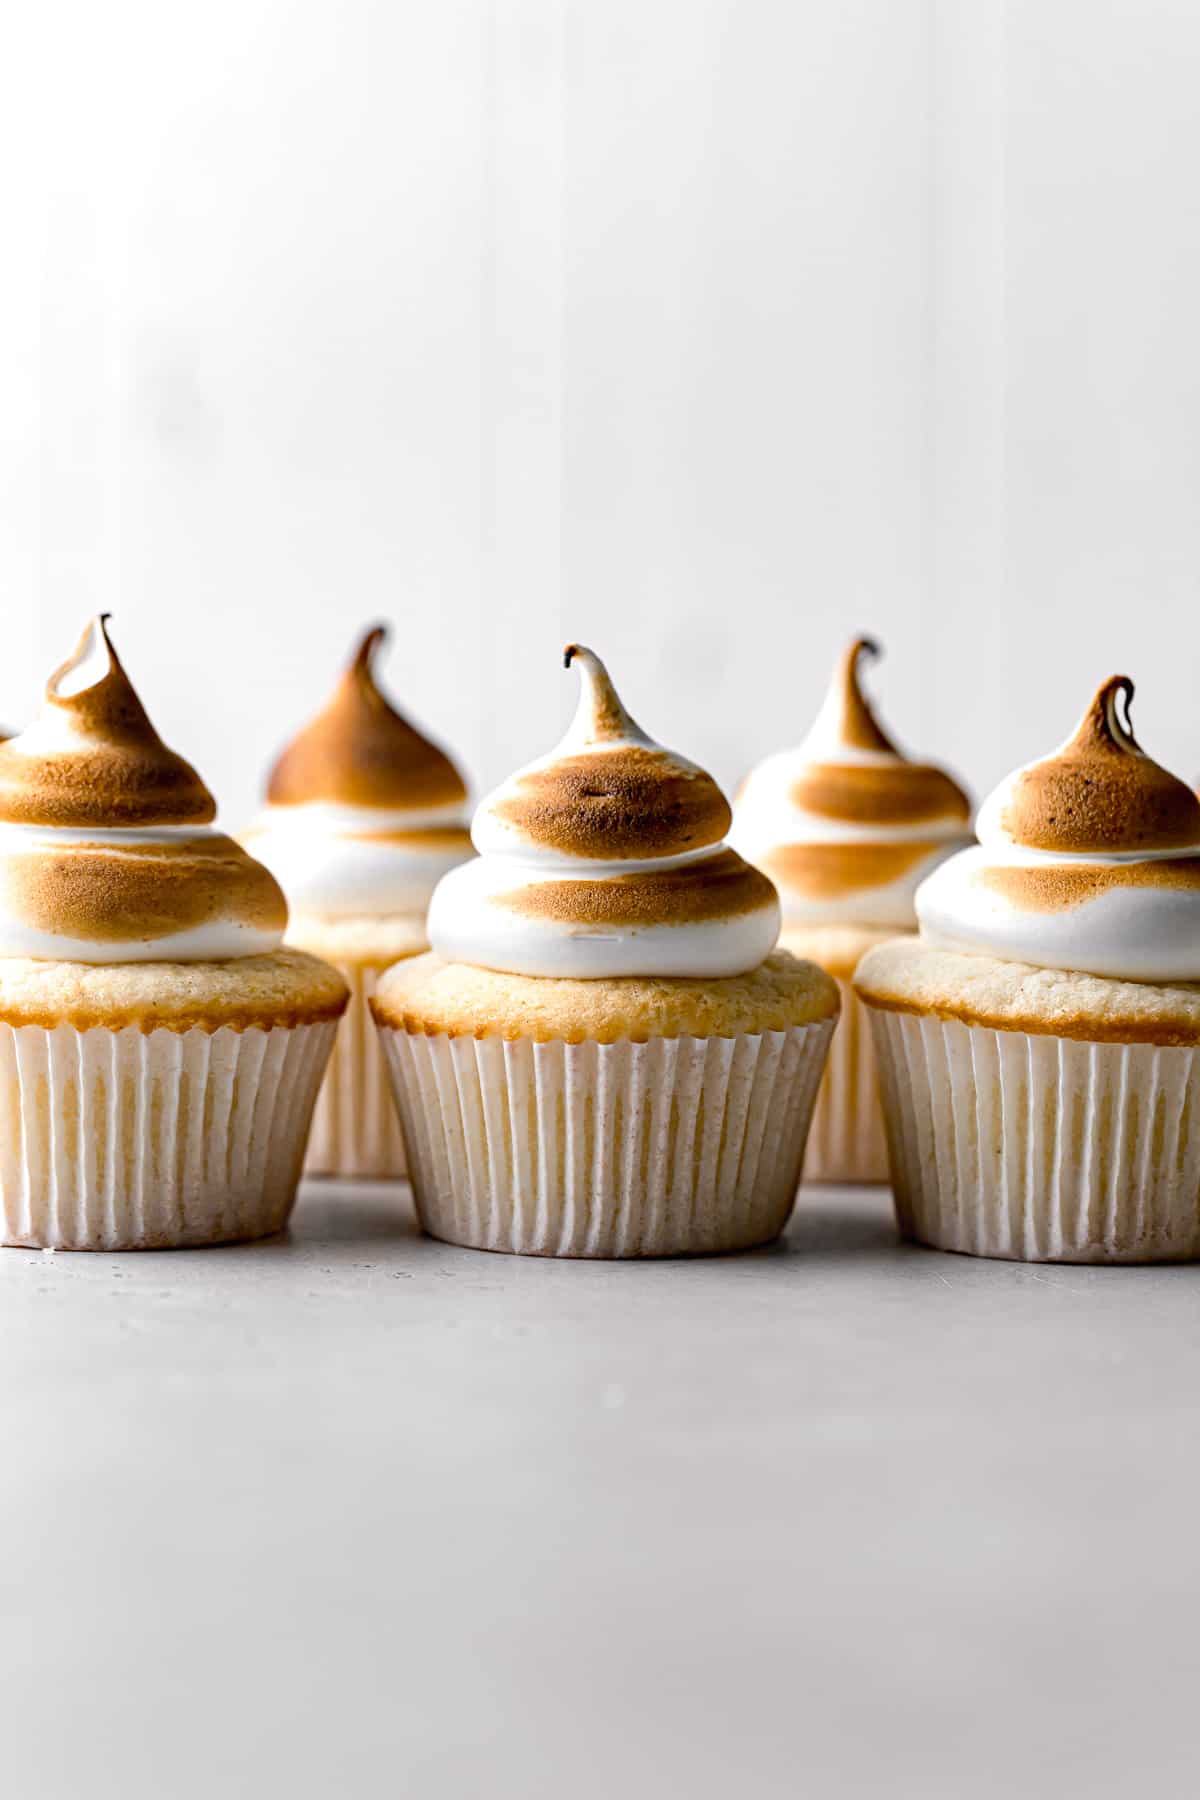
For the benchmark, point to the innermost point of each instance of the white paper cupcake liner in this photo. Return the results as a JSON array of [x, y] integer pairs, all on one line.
[[356, 1129], [847, 1141], [1040, 1148], [124, 1140], [656, 1149]]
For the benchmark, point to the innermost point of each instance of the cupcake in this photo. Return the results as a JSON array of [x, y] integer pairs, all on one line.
[[847, 827], [604, 1054], [1040, 1040], [159, 1052], [363, 817]]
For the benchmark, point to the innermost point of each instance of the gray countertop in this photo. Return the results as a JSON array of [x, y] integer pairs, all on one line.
[[354, 1513]]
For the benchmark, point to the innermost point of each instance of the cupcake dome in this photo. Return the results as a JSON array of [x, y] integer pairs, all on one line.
[[845, 824], [605, 858]]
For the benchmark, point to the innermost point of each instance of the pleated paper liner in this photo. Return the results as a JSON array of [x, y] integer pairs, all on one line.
[[1039, 1148], [677, 1145], [356, 1129], [123, 1140], [847, 1141]]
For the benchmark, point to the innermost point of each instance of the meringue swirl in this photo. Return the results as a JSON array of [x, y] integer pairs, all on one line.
[[107, 852], [1088, 860], [605, 858], [845, 825], [364, 814]]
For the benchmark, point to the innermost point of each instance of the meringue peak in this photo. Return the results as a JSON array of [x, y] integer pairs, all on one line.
[[601, 717], [608, 790], [359, 672], [92, 688], [1098, 793], [605, 857], [359, 751], [1087, 860], [1102, 727], [846, 720], [94, 758], [845, 823]]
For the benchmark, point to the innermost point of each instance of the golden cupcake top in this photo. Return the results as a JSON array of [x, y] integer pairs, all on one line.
[[605, 858], [106, 850], [1088, 860], [426, 994], [360, 752], [846, 824]]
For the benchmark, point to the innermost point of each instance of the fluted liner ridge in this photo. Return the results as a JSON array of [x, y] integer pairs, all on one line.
[[661, 1148], [1037, 1148], [118, 1140], [847, 1140], [355, 1129]]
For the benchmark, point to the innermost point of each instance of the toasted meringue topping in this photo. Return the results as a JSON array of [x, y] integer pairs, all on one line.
[[94, 758], [1099, 792], [1088, 860], [845, 825], [605, 858], [360, 752], [609, 790], [847, 721], [106, 854], [364, 815]]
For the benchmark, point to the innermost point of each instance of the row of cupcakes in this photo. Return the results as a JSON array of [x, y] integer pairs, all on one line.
[[1056, 1124], [365, 817], [608, 1057], [605, 1052]]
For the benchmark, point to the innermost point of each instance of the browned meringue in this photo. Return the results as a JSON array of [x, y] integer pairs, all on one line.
[[1100, 791], [364, 814], [94, 758], [618, 796], [846, 825], [359, 751], [106, 853], [1088, 860], [605, 858]]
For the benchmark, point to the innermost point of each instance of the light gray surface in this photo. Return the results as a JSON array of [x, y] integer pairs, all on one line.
[[357, 1514]]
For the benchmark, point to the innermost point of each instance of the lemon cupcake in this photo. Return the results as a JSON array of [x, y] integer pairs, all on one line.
[[847, 827], [159, 1052], [1040, 1040], [364, 816], [605, 1055]]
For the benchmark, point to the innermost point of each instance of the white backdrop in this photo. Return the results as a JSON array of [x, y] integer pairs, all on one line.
[[705, 330]]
